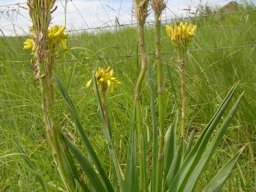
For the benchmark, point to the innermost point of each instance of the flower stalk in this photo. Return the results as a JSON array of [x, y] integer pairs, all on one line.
[[109, 137], [158, 7], [106, 81], [181, 65], [44, 49], [141, 12], [180, 35]]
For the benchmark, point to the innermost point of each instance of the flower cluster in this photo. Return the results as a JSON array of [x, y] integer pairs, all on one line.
[[56, 37], [105, 78], [181, 34], [29, 44]]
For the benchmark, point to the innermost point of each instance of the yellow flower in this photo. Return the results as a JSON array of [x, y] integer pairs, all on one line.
[[29, 44], [57, 36], [105, 78], [181, 34]]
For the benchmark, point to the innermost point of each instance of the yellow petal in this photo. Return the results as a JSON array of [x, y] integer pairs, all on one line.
[[168, 30], [64, 45], [109, 83], [27, 47], [101, 80], [28, 44], [88, 84]]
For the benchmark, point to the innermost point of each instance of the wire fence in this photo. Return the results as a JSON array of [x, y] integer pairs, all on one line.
[[94, 16], [210, 49], [15, 21], [164, 21], [22, 6]]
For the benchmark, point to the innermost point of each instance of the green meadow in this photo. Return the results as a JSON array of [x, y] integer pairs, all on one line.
[[221, 54]]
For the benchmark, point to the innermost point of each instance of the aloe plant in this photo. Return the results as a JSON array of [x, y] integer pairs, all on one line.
[[181, 171], [176, 163]]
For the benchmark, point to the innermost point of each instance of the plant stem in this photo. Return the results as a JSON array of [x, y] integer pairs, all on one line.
[[51, 126], [142, 151], [108, 134], [137, 99], [181, 64], [143, 62], [40, 13], [50, 120], [141, 11], [160, 77]]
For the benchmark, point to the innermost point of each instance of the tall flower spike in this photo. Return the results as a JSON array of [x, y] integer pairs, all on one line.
[[158, 6], [40, 13], [181, 34], [141, 10]]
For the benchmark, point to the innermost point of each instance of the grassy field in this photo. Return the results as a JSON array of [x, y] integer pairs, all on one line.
[[222, 53]]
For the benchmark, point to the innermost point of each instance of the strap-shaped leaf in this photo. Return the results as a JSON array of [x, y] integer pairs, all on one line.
[[201, 144], [107, 131], [74, 170], [84, 137], [190, 142], [131, 180], [174, 168], [170, 147], [218, 181], [202, 160], [155, 179], [86, 166]]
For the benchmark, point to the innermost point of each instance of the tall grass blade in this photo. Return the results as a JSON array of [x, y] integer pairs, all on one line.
[[171, 78], [84, 137], [31, 165], [218, 181], [86, 166]]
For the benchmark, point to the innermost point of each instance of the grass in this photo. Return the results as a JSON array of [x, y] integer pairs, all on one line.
[[210, 72]]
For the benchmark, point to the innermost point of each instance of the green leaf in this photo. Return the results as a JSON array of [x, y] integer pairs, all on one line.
[[84, 137], [202, 159], [201, 144], [86, 166], [155, 131], [218, 181], [170, 146], [131, 180], [190, 142], [174, 168], [109, 137], [74, 170]]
